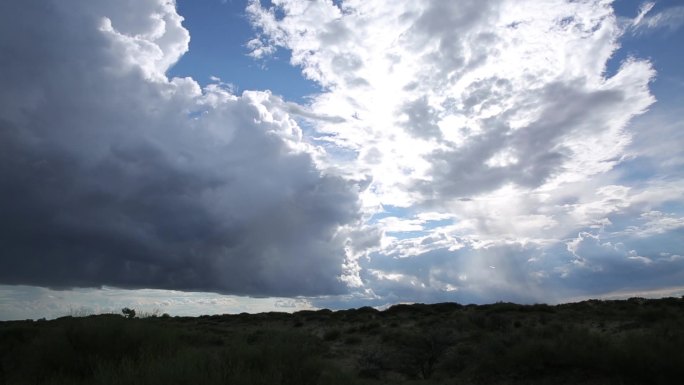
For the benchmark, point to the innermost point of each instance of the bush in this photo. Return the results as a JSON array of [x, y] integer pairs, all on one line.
[[372, 364], [352, 340], [128, 313], [415, 354], [332, 335]]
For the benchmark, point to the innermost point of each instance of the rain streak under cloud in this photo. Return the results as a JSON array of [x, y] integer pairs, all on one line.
[[469, 151]]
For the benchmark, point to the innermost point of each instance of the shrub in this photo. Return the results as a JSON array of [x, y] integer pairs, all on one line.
[[416, 354], [128, 312], [352, 340], [371, 364], [332, 335]]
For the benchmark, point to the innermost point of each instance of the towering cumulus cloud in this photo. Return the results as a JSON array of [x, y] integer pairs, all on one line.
[[113, 174]]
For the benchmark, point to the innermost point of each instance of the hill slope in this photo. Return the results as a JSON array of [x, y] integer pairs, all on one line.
[[637, 341]]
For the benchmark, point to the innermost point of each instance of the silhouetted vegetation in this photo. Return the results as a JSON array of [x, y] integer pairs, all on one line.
[[128, 313], [636, 341]]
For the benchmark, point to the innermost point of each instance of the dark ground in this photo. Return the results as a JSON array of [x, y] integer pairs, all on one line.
[[636, 341]]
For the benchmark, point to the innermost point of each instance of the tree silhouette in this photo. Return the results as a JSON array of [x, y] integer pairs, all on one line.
[[128, 312]]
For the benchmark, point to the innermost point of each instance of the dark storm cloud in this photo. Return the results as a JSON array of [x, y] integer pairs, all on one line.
[[113, 175]]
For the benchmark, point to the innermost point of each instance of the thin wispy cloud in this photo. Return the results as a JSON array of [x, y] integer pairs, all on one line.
[[643, 10], [668, 19]]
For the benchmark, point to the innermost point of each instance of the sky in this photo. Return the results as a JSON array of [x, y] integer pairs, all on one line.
[[225, 156]]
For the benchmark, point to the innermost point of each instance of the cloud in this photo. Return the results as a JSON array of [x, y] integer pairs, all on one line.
[[605, 262], [502, 118], [505, 98], [502, 95], [593, 263], [115, 175], [669, 19], [644, 9], [471, 151], [30, 302]]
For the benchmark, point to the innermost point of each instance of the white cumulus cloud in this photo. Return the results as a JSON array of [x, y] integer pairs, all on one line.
[[500, 115]]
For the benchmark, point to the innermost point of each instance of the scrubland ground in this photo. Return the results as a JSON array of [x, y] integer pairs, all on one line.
[[636, 341]]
